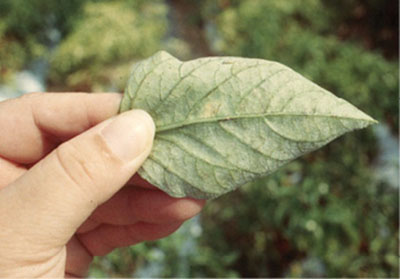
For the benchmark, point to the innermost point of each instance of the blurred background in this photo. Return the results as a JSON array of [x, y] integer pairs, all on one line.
[[332, 213]]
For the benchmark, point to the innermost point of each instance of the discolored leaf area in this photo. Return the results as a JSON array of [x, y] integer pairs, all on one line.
[[224, 121]]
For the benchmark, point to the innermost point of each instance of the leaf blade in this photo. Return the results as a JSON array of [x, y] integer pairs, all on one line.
[[223, 121]]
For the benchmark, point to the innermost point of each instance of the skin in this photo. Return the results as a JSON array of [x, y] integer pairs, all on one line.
[[68, 189]]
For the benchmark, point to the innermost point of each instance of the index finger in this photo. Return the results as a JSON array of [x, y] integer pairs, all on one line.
[[32, 125]]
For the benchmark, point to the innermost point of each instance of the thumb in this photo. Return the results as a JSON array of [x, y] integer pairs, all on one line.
[[48, 203]]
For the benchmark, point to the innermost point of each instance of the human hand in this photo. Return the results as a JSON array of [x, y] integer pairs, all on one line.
[[63, 165]]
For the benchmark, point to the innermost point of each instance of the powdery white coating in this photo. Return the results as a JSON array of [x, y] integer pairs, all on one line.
[[224, 121]]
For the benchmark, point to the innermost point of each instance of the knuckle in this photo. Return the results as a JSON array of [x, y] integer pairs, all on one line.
[[74, 166]]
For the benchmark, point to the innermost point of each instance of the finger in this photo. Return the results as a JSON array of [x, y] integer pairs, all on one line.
[[70, 275], [137, 181], [56, 195], [106, 238], [117, 210], [134, 181], [34, 124], [133, 204], [88, 225], [78, 258], [9, 172]]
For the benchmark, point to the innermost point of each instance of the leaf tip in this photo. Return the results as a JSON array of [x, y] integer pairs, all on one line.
[[373, 121], [370, 120]]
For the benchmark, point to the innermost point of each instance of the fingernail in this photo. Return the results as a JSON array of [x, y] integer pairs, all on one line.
[[129, 134]]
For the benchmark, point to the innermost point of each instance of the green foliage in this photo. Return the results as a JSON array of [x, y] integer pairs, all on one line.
[[27, 18], [105, 40], [181, 255], [24, 29]]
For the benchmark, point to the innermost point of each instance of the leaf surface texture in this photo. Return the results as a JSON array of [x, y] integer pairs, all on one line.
[[224, 121]]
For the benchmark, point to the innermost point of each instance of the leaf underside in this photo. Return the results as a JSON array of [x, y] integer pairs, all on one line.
[[224, 121]]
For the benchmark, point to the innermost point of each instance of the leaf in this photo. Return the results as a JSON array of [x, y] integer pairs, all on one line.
[[224, 121]]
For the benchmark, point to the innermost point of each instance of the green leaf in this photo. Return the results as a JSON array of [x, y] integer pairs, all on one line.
[[224, 121]]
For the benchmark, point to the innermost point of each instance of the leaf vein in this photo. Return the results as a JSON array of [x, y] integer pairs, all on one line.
[[167, 95], [147, 74], [248, 145], [257, 86], [233, 167], [216, 87], [176, 174], [233, 117]]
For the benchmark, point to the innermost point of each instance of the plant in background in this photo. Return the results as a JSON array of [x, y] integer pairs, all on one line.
[[98, 51]]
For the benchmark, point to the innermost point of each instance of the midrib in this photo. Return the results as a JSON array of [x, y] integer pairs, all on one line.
[[244, 116]]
